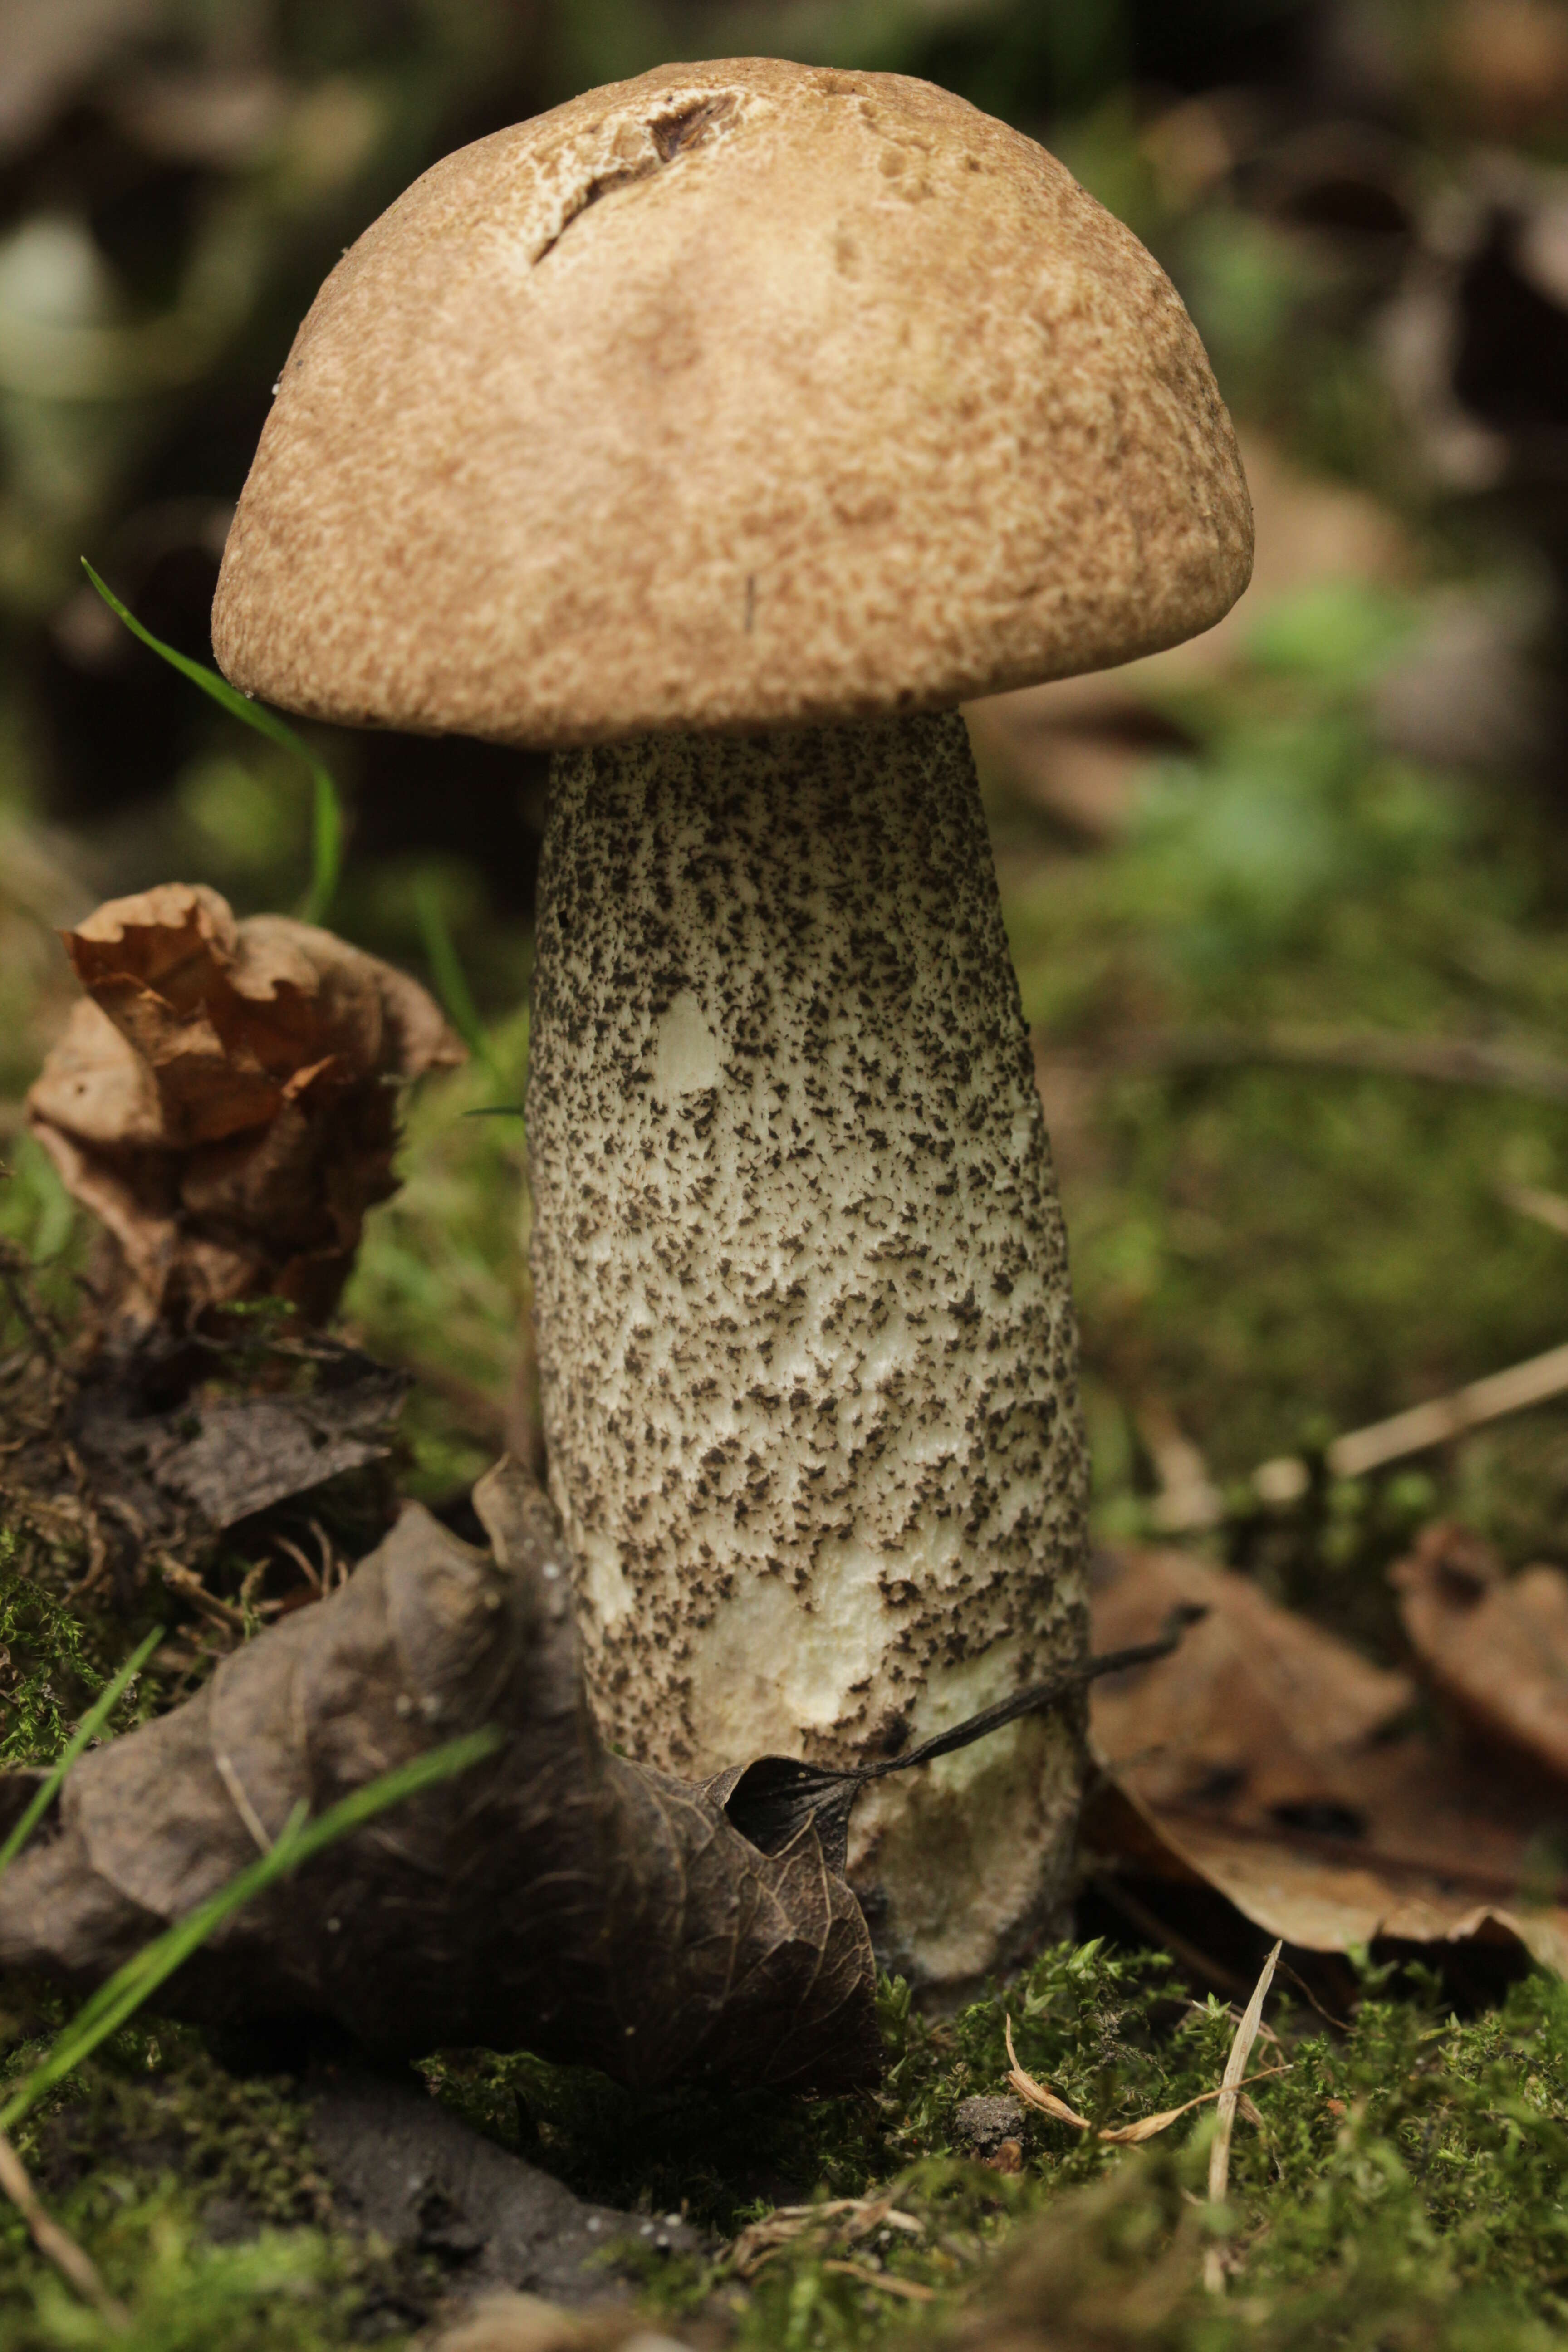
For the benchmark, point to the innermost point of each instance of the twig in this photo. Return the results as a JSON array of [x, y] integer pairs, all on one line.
[[333, 1569], [1035, 1700], [1437, 1422], [888, 2280], [54, 2243], [1393, 1053], [307, 1566], [1339, 2024], [186, 1583], [1546, 1208], [1229, 2090], [487, 1417]]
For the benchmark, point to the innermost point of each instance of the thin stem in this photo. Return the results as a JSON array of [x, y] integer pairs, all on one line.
[[57, 2245]]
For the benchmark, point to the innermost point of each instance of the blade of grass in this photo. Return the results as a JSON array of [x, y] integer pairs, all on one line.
[[118, 2000], [327, 816], [91, 1723], [446, 972]]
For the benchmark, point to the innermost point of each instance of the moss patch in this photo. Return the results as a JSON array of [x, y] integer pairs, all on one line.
[[1409, 2174], [198, 2196]]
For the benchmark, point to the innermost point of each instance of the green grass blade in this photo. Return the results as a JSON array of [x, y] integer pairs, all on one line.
[[326, 846], [91, 1723], [327, 819], [115, 2002], [446, 972]]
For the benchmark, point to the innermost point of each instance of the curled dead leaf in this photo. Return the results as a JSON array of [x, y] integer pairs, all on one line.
[[223, 1099]]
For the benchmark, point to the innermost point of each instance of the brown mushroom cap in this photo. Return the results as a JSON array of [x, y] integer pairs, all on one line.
[[740, 395]]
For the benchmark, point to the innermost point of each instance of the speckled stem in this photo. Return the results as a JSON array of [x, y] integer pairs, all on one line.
[[805, 1338]]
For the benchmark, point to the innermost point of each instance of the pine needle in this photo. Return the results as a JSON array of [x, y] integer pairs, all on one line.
[[1131, 2135], [1229, 2090]]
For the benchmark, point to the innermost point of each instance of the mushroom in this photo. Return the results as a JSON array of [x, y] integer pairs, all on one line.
[[722, 431]]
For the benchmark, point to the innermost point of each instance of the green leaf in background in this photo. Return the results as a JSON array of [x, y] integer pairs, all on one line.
[[92, 1722], [327, 818], [1341, 635], [115, 2002]]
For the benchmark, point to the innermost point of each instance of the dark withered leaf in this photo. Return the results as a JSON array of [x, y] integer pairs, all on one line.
[[226, 1457], [557, 1898]]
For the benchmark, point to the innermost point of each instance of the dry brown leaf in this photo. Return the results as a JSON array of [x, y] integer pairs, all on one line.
[[556, 1898], [1265, 1761], [1263, 1701], [1496, 1646], [223, 1099], [1132, 2134]]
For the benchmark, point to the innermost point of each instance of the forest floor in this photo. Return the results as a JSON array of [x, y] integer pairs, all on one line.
[[1223, 877]]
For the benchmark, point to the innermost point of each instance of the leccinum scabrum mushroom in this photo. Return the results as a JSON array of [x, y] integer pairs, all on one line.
[[722, 430]]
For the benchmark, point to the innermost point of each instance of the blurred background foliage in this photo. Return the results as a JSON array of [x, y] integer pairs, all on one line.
[[1341, 814]]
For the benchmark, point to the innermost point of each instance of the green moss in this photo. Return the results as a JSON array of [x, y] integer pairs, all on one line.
[[441, 1283], [197, 2197], [1410, 2174], [53, 1660]]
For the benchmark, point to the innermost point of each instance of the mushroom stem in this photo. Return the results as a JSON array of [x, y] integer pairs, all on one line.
[[807, 1346]]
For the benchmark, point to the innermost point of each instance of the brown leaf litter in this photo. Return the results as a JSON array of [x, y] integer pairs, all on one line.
[[526, 2323], [223, 1100], [559, 1898], [1495, 1647], [1269, 1762]]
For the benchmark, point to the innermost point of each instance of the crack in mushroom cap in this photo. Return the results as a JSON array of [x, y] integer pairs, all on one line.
[[740, 395]]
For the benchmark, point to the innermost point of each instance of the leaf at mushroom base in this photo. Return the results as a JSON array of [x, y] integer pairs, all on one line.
[[558, 1899]]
